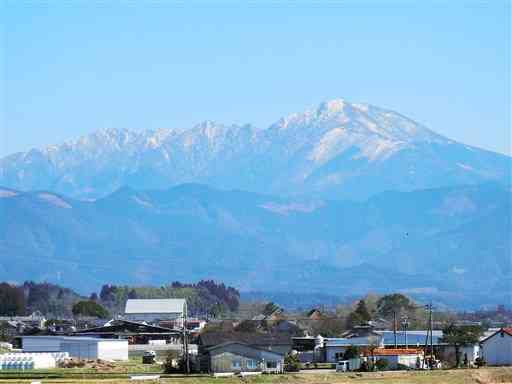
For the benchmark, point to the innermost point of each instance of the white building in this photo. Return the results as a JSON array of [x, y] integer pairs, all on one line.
[[78, 347], [412, 358], [154, 310], [497, 348]]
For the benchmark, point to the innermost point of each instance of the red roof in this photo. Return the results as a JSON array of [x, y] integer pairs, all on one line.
[[508, 331]]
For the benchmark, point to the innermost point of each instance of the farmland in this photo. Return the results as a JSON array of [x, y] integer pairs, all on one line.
[[461, 376]]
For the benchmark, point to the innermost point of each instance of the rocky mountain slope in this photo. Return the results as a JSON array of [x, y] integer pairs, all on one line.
[[452, 243], [337, 150]]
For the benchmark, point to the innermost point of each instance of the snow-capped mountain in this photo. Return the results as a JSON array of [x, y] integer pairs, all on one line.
[[336, 150]]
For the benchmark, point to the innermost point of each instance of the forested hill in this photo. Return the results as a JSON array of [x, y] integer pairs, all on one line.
[[204, 297]]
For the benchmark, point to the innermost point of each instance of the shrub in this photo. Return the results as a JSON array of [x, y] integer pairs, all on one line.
[[381, 364], [171, 362], [351, 352], [364, 366], [291, 363]]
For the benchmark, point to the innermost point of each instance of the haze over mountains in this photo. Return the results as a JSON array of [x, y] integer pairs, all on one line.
[[451, 243], [341, 199], [338, 150]]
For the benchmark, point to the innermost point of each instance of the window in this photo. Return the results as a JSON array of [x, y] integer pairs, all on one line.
[[338, 356], [236, 364], [271, 364], [252, 364]]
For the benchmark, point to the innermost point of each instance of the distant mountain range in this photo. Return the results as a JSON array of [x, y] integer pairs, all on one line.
[[338, 150], [451, 244]]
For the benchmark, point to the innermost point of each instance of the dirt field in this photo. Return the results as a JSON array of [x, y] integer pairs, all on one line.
[[462, 376]]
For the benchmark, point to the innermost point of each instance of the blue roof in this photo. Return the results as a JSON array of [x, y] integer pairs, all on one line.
[[413, 337], [342, 342]]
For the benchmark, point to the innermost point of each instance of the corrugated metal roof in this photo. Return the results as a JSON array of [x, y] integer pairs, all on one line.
[[413, 337], [155, 306], [356, 341]]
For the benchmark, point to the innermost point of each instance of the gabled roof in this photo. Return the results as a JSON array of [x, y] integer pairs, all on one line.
[[507, 331], [210, 339], [155, 306], [125, 326], [228, 343]]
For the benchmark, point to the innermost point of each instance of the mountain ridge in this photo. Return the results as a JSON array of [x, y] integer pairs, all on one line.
[[337, 150], [450, 242]]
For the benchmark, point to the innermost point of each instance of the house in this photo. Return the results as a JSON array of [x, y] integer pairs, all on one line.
[[155, 310], [411, 357], [497, 348], [278, 343], [78, 347], [237, 357]]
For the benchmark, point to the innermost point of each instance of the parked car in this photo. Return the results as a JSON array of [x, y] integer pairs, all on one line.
[[149, 357]]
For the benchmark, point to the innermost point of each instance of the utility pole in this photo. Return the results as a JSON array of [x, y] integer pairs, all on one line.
[[394, 328], [431, 334], [429, 308], [185, 339], [405, 324]]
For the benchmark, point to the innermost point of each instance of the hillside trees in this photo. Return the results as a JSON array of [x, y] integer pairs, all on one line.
[[460, 336], [12, 300], [360, 315], [90, 308]]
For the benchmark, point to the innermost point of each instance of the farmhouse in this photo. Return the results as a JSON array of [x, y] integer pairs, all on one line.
[[237, 357], [497, 348], [156, 310]]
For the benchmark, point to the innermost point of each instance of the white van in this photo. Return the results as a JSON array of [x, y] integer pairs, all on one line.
[[348, 365], [343, 366]]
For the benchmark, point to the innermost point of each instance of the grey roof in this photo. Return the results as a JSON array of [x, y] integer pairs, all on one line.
[[155, 306]]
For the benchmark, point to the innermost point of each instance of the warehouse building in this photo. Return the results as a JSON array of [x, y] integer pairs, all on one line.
[[78, 347], [156, 310]]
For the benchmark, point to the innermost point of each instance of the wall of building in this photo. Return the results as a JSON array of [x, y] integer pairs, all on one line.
[[152, 317], [41, 344], [497, 350], [81, 348], [224, 363], [113, 350], [248, 359], [334, 354]]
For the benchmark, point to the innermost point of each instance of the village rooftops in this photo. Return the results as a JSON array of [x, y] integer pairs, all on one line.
[[150, 306]]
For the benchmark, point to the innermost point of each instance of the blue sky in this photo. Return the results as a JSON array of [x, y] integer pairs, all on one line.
[[72, 67]]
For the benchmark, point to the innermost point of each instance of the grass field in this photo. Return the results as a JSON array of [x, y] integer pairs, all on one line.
[[462, 376]]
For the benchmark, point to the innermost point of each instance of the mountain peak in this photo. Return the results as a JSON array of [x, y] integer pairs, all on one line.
[[332, 106]]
